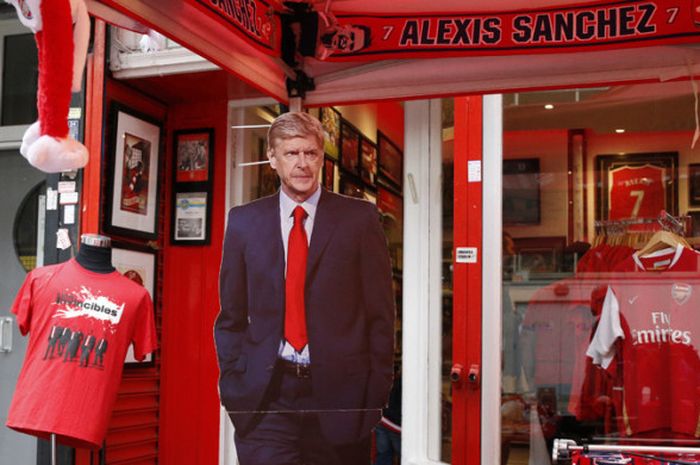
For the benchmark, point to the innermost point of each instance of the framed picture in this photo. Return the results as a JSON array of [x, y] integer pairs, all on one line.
[[637, 185], [329, 174], [330, 120], [521, 191], [693, 229], [193, 155], [389, 160], [694, 185], [139, 265], [390, 207], [368, 161], [132, 164], [349, 186], [350, 147], [539, 254], [191, 223]]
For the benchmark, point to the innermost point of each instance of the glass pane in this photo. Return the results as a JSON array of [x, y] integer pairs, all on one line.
[[19, 80], [600, 321], [249, 138], [25, 227]]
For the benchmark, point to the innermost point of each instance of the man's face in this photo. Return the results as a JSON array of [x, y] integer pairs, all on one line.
[[298, 162]]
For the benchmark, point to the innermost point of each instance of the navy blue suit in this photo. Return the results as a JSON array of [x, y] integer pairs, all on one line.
[[349, 314]]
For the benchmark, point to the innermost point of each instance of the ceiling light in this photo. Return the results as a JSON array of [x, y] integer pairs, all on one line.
[[620, 131], [549, 106]]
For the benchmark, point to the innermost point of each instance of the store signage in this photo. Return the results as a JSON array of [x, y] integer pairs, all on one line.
[[253, 20], [619, 24], [466, 255]]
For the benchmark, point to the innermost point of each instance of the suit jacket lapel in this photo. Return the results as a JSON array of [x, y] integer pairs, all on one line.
[[324, 225]]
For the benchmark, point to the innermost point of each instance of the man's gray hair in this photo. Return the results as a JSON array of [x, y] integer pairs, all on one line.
[[294, 124]]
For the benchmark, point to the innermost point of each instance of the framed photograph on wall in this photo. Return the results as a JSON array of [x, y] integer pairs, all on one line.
[[351, 187], [192, 186], [330, 120], [191, 219], [329, 174], [390, 207], [193, 155], [368, 161], [350, 147], [132, 164], [637, 185], [539, 254], [521, 191], [389, 160], [694, 185], [139, 265]]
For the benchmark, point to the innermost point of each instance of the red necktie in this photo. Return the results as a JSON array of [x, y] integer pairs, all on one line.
[[295, 314]]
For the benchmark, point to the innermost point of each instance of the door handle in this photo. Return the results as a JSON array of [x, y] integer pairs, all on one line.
[[5, 334]]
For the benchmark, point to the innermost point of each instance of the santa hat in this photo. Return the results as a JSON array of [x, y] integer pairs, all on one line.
[[62, 50]]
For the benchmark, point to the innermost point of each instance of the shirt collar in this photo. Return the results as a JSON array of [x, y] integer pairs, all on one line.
[[287, 205]]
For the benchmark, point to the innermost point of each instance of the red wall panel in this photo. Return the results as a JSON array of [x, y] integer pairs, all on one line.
[[132, 435], [189, 408]]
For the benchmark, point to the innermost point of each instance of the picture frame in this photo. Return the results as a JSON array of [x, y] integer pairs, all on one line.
[[139, 265], [329, 174], [624, 180], [390, 206], [133, 173], [193, 155], [368, 161], [193, 178], [539, 255], [350, 147], [694, 185], [330, 120], [351, 187], [389, 161], [191, 223], [521, 191]]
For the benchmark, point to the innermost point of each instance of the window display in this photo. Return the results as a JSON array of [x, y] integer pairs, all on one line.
[[599, 341]]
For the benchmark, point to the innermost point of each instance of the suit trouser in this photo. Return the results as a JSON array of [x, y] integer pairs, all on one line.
[[283, 434]]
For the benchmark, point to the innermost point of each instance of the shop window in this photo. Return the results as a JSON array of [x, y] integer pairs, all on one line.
[[600, 273], [19, 80], [25, 230]]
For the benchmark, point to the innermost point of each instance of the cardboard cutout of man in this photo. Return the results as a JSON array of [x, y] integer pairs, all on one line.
[[305, 334]]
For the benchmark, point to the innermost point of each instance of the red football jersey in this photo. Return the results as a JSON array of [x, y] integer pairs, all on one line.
[[637, 192], [81, 324], [653, 309]]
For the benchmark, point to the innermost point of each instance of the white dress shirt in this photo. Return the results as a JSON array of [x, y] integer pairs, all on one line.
[[287, 206]]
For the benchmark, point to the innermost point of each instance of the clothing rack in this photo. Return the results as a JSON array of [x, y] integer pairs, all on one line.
[[636, 231], [561, 451]]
